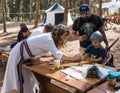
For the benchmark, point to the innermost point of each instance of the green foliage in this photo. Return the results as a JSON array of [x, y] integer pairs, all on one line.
[[21, 10], [26, 6], [13, 6]]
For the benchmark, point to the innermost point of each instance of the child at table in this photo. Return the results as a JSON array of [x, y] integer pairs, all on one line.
[[96, 51]]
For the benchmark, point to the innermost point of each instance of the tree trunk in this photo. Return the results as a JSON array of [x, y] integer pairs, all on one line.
[[37, 13], [100, 8], [30, 10], [66, 12], [3, 16], [21, 12]]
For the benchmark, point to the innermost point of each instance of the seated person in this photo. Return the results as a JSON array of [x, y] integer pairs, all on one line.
[[23, 34], [20, 36], [47, 28], [105, 23], [96, 51]]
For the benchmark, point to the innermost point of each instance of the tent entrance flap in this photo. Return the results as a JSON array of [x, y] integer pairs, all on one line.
[[59, 18]]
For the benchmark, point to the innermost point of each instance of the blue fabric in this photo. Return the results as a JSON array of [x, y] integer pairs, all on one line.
[[114, 73], [13, 44], [84, 8]]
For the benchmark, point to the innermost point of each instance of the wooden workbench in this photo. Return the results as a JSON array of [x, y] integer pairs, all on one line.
[[45, 75]]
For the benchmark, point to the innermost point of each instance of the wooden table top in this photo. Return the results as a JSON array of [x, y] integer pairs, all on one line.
[[96, 90], [103, 88], [83, 85], [106, 87]]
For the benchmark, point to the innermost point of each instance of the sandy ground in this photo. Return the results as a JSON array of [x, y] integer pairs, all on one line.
[[72, 46]]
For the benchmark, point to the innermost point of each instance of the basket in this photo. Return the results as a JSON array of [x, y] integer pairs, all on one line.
[[92, 72]]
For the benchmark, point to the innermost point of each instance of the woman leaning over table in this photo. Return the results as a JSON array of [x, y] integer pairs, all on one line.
[[34, 46]]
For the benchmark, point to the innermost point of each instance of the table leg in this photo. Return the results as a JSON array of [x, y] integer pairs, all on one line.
[[47, 87], [43, 82]]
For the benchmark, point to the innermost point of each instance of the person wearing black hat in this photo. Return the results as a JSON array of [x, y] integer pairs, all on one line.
[[85, 25]]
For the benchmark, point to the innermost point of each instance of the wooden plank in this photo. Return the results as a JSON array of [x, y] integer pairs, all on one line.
[[4, 56], [96, 90], [63, 86], [42, 68], [53, 88], [13, 91], [105, 87]]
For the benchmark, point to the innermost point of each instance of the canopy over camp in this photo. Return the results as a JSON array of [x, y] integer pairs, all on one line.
[[55, 15]]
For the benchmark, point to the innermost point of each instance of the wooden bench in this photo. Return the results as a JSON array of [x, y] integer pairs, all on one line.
[[106, 87], [4, 55], [96, 90], [13, 91], [103, 88], [44, 75]]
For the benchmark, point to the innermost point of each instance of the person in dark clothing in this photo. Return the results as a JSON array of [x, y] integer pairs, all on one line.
[[105, 23], [85, 25], [23, 34], [96, 52]]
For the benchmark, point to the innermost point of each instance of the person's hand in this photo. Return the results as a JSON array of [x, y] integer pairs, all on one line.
[[82, 38], [77, 57], [91, 60], [83, 62], [84, 56]]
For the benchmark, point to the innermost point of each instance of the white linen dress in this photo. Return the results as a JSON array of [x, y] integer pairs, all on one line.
[[37, 31], [39, 45]]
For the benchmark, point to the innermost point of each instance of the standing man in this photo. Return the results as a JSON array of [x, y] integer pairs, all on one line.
[[85, 25]]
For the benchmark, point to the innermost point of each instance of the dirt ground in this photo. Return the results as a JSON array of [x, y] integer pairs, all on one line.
[[72, 46]]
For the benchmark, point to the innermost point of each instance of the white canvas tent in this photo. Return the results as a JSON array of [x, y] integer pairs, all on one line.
[[55, 15], [110, 4]]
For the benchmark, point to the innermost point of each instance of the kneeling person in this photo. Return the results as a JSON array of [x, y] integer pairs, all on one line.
[[96, 51]]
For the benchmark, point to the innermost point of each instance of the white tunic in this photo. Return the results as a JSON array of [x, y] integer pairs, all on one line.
[[37, 31], [39, 45]]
